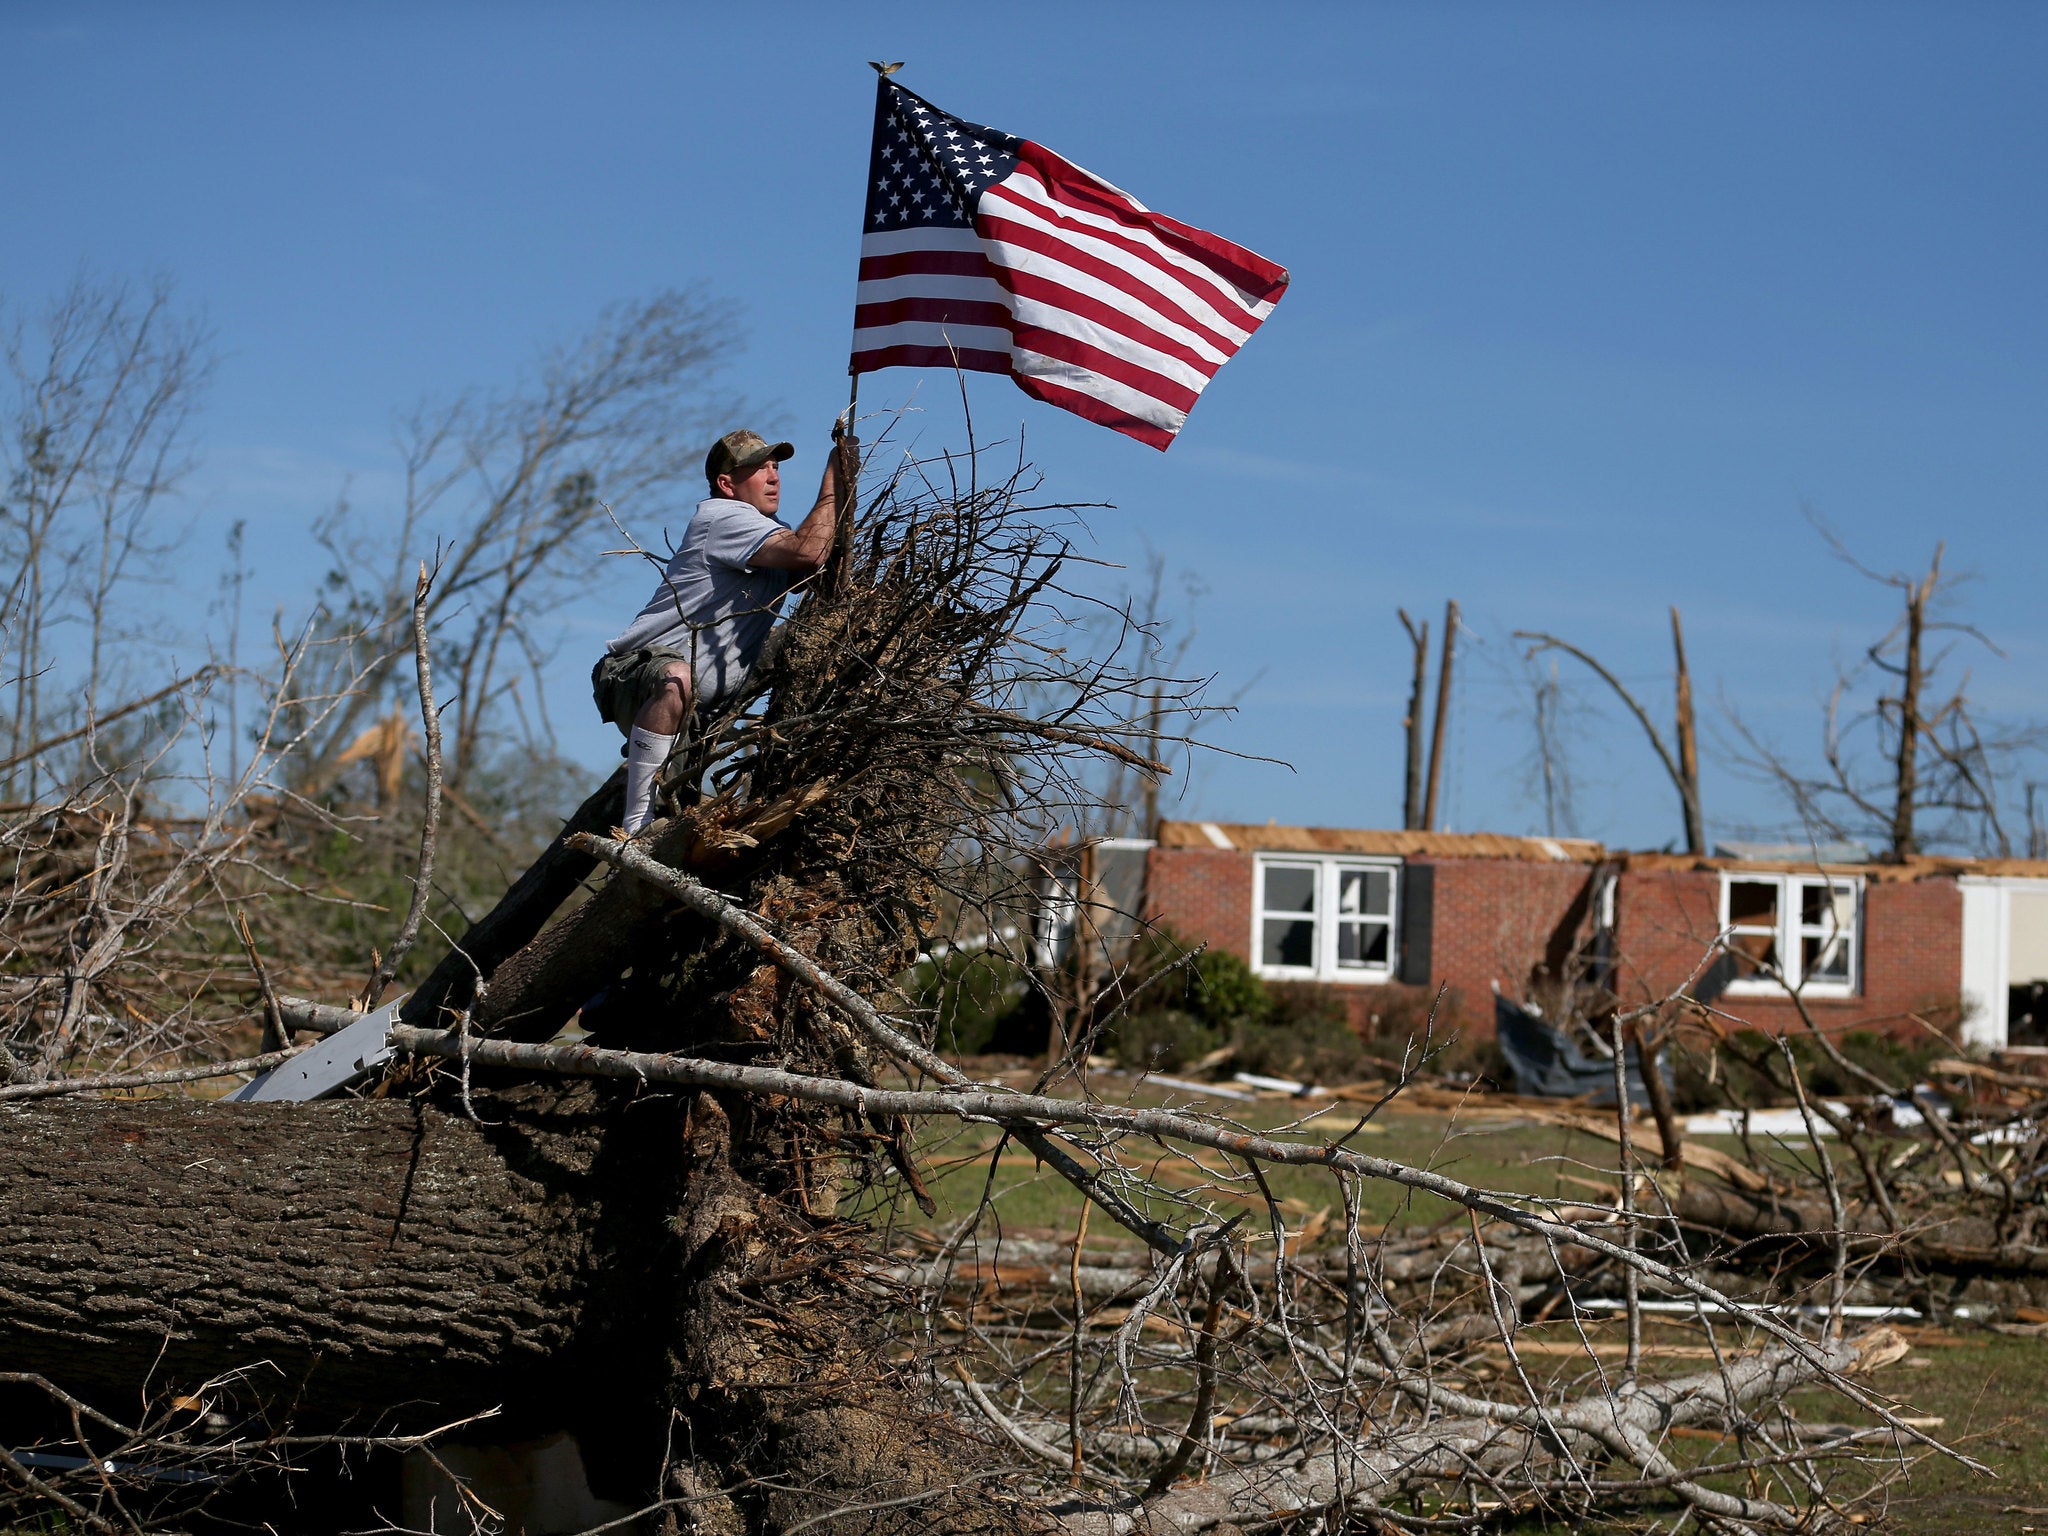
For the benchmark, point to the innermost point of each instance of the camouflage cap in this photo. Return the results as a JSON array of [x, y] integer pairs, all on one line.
[[742, 450]]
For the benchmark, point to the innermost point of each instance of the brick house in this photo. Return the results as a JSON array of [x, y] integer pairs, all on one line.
[[1359, 910]]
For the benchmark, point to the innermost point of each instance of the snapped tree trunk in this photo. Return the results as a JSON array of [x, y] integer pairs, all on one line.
[[1906, 786], [1443, 715], [1687, 732], [1411, 724]]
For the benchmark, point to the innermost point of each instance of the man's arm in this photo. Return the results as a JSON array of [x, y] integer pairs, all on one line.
[[803, 549]]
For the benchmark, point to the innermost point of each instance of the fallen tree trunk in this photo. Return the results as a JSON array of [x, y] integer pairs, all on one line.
[[1957, 1239], [1476, 1436], [332, 1250], [520, 913]]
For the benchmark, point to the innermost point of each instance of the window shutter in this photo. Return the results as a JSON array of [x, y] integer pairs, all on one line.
[[1418, 913]]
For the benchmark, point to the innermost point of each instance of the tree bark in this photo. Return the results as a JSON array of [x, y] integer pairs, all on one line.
[[1418, 696], [519, 915], [1443, 714], [583, 1258], [1963, 1242], [1906, 789], [1688, 743], [380, 1260]]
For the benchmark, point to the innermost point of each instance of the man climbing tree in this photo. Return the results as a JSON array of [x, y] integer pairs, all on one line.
[[708, 623]]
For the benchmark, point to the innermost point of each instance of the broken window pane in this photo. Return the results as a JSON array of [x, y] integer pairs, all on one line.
[[2026, 1014], [1290, 888], [1365, 892], [1363, 943], [1756, 954], [1753, 902], [1753, 917], [1827, 921], [1288, 942], [1824, 959], [1793, 931], [1327, 917]]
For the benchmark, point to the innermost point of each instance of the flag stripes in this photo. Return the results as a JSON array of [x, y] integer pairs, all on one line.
[[996, 255]]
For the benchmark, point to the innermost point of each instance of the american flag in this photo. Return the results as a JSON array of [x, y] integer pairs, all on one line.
[[991, 253]]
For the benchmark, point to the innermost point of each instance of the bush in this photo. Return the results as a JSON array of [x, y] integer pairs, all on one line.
[[1401, 1014], [1725, 1078], [1187, 1010], [1316, 1048], [1165, 1040], [1300, 1032], [1225, 994], [969, 995]]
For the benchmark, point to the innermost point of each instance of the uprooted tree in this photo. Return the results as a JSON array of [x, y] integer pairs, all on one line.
[[672, 1235]]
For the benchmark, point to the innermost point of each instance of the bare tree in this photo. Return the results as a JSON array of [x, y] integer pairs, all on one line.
[[1411, 723], [515, 488], [1443, 714], [104, 383], [1145, 633], [1901, 743], [1551, 767], [1682, 767]]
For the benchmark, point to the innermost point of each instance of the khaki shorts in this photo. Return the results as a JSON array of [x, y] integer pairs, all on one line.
[[621, 684]]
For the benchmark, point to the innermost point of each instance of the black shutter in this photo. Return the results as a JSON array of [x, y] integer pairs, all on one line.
[[1418, 915]]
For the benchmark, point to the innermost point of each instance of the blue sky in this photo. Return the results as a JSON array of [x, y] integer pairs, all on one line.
[[1588, 302]]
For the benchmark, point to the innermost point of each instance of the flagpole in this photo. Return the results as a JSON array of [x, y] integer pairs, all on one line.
[[842, 534], [842, 512]]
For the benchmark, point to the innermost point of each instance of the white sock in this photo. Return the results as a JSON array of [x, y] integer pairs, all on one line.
[[644, 757]]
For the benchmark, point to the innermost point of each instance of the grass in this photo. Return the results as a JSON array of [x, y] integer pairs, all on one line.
[[1991, 1390], [1032, 1199]]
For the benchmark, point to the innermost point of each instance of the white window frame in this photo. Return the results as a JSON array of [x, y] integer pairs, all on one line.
[[1329, 870], [1790, 931]]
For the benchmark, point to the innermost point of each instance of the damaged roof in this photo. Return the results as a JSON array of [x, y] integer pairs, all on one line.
[[1251, 837], [1441, 845]]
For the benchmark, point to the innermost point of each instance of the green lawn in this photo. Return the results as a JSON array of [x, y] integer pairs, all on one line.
[[1991, 1390], [1032, 1199]]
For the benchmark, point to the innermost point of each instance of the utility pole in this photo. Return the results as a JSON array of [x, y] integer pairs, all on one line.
[[1418, 697], [1443, 710]]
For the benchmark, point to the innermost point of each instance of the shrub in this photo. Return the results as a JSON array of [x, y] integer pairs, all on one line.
[[1224, 992], [1183, 1012], [1400, 1014], [1712, 1080], [1164, 1040], [968, 994], [1316, 1048]]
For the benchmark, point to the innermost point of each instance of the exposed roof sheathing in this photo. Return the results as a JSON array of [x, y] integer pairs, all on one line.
[[1251, 837], [1440, 845], [1922, 867]]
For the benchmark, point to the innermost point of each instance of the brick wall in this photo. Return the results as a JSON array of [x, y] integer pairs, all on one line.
[[1912, 948], [1203, 894], [1499, 920], [1494, 919]]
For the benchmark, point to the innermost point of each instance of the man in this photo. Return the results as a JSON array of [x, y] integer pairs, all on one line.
[[703, 630]]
